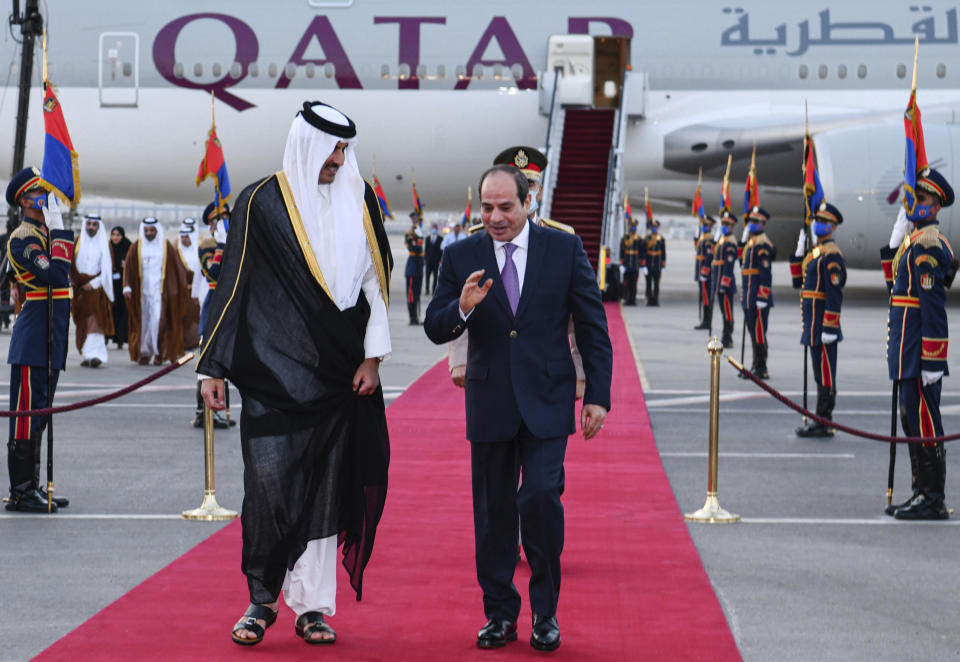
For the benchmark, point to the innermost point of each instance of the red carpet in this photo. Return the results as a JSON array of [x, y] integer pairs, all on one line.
[[633, 584]]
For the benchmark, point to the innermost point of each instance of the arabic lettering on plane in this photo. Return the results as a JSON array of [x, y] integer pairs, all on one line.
[[848, 33]]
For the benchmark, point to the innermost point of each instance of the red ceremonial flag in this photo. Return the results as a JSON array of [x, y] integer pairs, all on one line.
[[59, 172]]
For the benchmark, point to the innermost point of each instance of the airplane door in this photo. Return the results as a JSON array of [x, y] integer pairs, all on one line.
[[119, 75], [610, 57]]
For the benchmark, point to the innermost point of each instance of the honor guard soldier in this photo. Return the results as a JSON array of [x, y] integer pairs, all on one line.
[[414, 269], [532, 163], [210, 252], [40, 252], [630, 246], [755, 270], [820, 275], [653, 262], [702, 268], [722, 274], [921, 267]]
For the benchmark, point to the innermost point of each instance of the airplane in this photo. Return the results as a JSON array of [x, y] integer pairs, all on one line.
[[438, 88]]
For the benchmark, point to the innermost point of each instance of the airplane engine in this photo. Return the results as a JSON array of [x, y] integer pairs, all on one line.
[[861, 169]]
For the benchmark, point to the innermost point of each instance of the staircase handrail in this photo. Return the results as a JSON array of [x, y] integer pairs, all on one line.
[[551, 149], [614, 171]]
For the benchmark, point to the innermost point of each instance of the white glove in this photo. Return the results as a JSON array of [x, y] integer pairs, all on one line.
[[746, 234], [930, 376], [703, 279], [644, 271], [761, 304], [827, 338], [623, 270], [220, 234], [899, 229], [801, 244], [51, 213]]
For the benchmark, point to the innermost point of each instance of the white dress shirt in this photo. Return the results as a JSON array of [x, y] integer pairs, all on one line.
[[521, 241]]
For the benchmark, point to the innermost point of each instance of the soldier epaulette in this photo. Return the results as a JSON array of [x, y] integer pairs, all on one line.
[[929, 236], [762, 238], [557, 225], [830, 249], [474, 229], [207, 242], [25, 230]]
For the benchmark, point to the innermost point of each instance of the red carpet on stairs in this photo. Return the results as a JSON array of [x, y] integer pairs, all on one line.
[[633, 584]]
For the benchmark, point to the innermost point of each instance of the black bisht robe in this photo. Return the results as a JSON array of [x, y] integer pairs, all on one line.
[[315, 453]]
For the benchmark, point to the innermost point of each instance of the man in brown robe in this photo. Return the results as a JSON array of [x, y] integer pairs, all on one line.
[[91, 274], [157, 292]]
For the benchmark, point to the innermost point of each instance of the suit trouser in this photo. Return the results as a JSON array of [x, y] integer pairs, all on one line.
[[431, 271], [496, 468]]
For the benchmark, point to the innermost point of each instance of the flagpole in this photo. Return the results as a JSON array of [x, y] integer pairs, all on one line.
[[49, 403], [806, 248], [913, 86]]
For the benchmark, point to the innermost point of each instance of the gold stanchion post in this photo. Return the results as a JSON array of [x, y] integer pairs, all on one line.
[[209, 510], [712, 513]]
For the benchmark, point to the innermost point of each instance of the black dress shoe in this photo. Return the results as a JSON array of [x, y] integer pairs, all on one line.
[[891, 510], [546, 633], [496, 633], [814, 430], [923, 507], [58, 501], [29, 502]]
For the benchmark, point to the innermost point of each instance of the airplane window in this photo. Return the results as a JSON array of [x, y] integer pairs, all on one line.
[[329, 70], [216, 70], [461, 72], [517, 71], [403, 71], [441, 71], [384, 71], [941, 70], [236, 70], [822, 71], [198, 69], [272, 70], [128, 69], [901, 71], [802, 71], [290, 70], [842, 71], [497, 72], [311, 70], [253, 69], [862, 71], [421, 71], [478, 71]]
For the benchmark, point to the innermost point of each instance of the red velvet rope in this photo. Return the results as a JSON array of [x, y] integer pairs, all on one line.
[[103, 398], [826, 422]]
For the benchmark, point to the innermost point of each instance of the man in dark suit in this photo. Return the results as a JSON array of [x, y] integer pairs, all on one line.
[[520, 390], [432, 249]]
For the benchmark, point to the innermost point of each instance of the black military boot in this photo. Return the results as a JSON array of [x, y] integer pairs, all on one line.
[[727, 338], [761, 354], [197, 421], [928, 504], [24, 495], [914, 452], [37, 441], [825, 402], [412, 310], [656, 291], [707, 321]]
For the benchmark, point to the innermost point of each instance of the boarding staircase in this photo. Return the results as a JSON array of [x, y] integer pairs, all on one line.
[[580, 192]]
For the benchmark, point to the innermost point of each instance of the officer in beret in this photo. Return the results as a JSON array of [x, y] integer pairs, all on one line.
[[40, 253], [701, 272], [413, 272], [653, 260], [820, 275], [922, 266], [722, 275], [755, 271]]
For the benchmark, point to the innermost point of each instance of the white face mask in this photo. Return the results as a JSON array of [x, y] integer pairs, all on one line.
[[534, 204]]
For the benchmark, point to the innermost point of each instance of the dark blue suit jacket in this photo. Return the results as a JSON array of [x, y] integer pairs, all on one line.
[[519, 367]]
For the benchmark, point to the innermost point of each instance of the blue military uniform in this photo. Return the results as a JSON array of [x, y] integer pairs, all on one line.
[[757, 300], [702, 270], [917, 338], [630, 249], [654, 260], [820, 276], [38, 262], [722, 276], [414, 271]]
